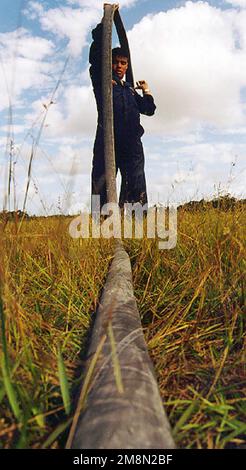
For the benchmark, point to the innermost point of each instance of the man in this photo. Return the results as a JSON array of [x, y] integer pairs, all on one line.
[[127, 106]]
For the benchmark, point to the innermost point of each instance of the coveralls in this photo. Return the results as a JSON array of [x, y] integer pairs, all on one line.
[[129, 155]]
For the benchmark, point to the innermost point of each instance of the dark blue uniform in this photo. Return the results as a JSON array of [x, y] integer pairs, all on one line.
[[127, 106]]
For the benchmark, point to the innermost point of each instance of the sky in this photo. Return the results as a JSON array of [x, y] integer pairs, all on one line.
[[191, 53]]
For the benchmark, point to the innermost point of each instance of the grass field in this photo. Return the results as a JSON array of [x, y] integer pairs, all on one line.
[[190, 300]]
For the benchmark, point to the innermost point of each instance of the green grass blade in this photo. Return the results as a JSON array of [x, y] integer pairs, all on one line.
[[56, 433], [3, 334], [64, 383], [39, 417], [240, 431], [185, 416], [10, 391], [2, 393]]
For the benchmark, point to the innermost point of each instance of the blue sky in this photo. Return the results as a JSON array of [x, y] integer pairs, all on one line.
[[193, 55]]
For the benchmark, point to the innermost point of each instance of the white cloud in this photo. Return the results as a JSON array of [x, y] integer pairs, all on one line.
[[60, 178], [21, 43], [72, 115], [183, 172], [34, 9], [206, 153], [29, 74], [240, 22], [237, 3], [69, 161], [17, 129], [73, 24], [68, 23], [24, 64], [190, 59], [180, 173], [99, 4]]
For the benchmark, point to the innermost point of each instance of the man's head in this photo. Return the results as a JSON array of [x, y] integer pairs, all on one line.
[[120, 60]]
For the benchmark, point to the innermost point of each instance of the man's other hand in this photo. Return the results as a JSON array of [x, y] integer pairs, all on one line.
[[143, 85]]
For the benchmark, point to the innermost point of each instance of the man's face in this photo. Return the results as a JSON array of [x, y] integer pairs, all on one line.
[[120, 66]]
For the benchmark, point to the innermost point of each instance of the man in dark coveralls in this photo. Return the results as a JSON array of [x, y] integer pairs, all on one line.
[[127, 106]]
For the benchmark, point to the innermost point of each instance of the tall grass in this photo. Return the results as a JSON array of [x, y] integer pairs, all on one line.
[[50, 285], [190, 300]]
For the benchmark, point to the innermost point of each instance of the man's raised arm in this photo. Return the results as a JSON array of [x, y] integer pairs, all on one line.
[[146, 103], [95, 59]]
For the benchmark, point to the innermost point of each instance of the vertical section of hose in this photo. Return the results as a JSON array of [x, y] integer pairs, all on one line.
[[119, 405]]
